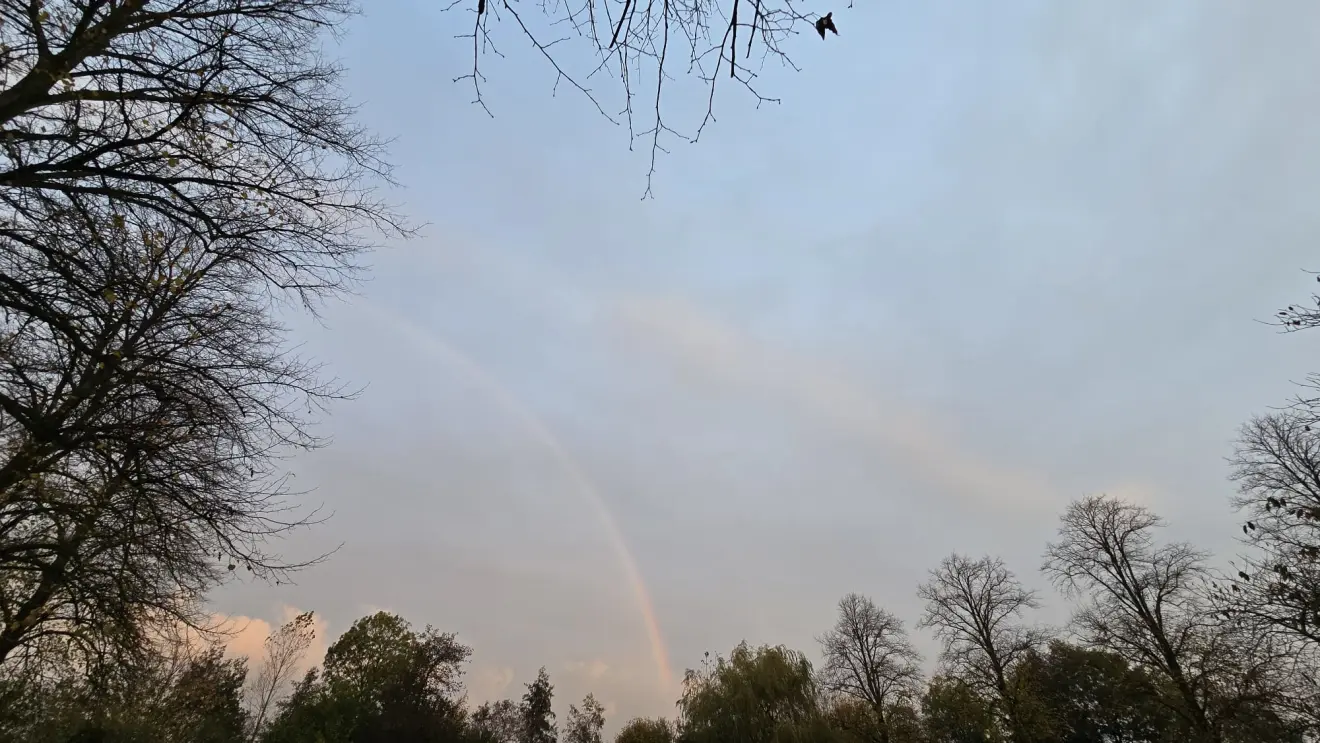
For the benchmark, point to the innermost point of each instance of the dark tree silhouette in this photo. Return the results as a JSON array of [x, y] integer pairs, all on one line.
[[536, 713], [868, 657], [975, 608], [1149, 603], [1277, 469], [640, 43], [169, 173]]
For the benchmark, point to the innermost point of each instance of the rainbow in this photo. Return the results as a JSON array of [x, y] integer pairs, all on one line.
[[541, 433]]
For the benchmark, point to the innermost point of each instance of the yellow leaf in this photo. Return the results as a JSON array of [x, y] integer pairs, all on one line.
[[174, 162], [109, 295]]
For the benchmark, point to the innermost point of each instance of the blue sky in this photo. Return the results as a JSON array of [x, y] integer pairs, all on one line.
[[982, 259]]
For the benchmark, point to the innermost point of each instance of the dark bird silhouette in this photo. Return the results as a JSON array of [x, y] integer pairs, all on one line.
[[826, 24]]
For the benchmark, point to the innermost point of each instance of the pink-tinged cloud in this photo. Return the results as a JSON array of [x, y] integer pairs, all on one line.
[[246, 636], [702, 346]]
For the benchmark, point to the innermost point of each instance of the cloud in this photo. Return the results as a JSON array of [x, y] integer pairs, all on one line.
[[246, 637], [593, 670], [489, 682], [701, 345], [1137, 493]]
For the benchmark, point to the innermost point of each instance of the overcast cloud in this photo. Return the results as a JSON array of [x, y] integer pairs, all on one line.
[[983, 259]]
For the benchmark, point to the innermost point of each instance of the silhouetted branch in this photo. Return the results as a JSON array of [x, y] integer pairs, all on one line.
[[644, 36]]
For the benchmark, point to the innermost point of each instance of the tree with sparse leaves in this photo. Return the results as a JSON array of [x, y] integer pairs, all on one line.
[[1277, 468], [583, 725], [170, 173], [284, 649]]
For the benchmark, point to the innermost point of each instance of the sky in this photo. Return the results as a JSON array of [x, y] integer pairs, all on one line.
[[982, 259]]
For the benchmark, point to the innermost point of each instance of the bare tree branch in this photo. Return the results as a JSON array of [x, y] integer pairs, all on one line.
[[284, 650], [642, 40], [1277, 468], [868, 657], [1150, 604], [170, 174], [975, 608]]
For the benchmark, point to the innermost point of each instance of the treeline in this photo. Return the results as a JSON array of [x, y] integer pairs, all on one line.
[[1156, 652]]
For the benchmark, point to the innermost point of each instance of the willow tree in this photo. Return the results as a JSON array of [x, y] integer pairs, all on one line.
[[758, 694]]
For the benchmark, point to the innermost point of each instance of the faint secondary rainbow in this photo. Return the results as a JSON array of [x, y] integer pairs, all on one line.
[[537, 428]]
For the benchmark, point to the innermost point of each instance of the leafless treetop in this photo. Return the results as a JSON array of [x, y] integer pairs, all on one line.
[[640, 43], [1106, 549], [868, 657], [975, 608]]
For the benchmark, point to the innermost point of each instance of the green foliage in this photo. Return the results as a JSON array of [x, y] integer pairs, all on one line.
[[757, 695], [183, 697], [1079, 695], [955, 713], [538, 719], [498, 722], [905, 724], [584, 725], [855, 721], [646, 730], [381, 681]]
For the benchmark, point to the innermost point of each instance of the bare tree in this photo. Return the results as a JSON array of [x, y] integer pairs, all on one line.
[[284, 650], [868, 657], [170, 172], [975, 608], [636, 42], [1149, 603], [1277, 468]]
